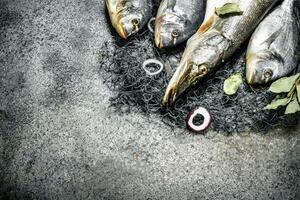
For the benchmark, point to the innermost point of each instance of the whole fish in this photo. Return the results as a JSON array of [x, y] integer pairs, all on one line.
[[216, 40], [129, 16], [177, 20], [273, 50]]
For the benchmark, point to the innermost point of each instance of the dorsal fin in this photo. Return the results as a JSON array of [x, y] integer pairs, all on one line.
[[206, 25]]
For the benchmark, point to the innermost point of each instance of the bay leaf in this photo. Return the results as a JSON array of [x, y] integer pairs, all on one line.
[[284, 84], [298, 90], [228, 9], [277, 103], [232, 84], [293, 106]]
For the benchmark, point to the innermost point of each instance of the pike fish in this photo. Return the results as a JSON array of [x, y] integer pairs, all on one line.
[[273, 50], [177, 21], [129, 16], [216, 40]]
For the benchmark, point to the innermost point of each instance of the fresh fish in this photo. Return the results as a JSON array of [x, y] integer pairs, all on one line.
[[216, 40], [273, 50], [177, 20], [129, 16]]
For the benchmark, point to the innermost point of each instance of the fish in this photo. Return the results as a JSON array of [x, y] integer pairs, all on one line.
[[129, 16], [177, 20], [216, 40], [273, 50]]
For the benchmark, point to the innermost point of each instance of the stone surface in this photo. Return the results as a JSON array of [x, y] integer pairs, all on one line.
[[59, 139]]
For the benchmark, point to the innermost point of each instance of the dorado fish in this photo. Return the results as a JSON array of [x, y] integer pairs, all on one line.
[[216, 40], [177, 20], [273, 50], [129, 16]]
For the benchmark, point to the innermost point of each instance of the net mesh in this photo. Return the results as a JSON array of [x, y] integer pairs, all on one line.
[[135, 91]]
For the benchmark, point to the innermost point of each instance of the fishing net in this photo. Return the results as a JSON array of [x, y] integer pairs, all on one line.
[[135, 91]]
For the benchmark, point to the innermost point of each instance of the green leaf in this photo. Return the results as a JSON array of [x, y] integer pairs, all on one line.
[[228, 9], [293, 107], [292, 91], [232, 84], [277, 103], [284, 84], [298, 89]]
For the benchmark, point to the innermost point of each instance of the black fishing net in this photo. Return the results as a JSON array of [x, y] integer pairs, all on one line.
[[135, 91]]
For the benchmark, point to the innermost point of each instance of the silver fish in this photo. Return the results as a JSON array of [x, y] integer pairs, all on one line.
[[129, 16], [273, 50], [216, 40], [177, 20]]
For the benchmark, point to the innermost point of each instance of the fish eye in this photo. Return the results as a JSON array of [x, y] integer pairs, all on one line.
[[135, 22], [202, 69], [175, 33], [268, 73]]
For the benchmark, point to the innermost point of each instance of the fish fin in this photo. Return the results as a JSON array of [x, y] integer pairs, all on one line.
[[273, 37], [206, 25], [203, 28]]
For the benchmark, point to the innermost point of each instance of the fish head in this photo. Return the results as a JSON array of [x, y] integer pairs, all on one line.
[[263, 68], [190, 71], [169, 30], [129, 24]]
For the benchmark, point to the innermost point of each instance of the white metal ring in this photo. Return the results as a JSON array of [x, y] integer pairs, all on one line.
[[150, 23], [153, 61]]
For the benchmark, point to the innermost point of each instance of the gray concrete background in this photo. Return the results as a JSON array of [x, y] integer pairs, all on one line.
[[60, 140]]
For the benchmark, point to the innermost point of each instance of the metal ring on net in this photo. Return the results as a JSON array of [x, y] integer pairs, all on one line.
[[153, 61], [149, 25]]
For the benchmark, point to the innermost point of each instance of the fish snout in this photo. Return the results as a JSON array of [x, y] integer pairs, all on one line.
[[170, 96], [259, 71], [128, 26], [180, 81], [162, 40], [168, 38]]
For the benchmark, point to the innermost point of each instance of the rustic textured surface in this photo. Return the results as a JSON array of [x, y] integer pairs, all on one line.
[[60, 140]]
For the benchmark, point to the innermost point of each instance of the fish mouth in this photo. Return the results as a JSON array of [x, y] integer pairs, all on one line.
[[128, 26], [158, 41], [163, 41], [250, 77], [170, 97], [250, 72], [121, 31], [125, 32], [180, 81]]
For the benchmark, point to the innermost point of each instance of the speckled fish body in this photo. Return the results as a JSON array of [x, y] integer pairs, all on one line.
[[216, 40], [273, 50], [129, 16], [177, 20]]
